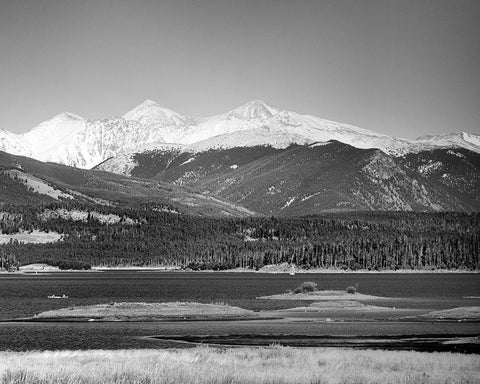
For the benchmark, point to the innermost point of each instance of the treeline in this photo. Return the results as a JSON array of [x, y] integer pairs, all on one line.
[[371, 241]]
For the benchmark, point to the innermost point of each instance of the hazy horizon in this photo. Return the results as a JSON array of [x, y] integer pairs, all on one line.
[[402, 68]]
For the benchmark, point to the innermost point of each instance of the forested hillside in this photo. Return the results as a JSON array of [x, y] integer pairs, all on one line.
[[27, 181], [316, 178], [109, 236]]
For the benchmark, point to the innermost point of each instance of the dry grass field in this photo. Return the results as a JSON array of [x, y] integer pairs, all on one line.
[[203, 365]]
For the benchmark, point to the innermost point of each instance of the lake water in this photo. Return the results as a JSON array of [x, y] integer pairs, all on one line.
[[26, 295]]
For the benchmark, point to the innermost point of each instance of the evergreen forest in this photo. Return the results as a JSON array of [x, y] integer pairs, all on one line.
[[148, 236]]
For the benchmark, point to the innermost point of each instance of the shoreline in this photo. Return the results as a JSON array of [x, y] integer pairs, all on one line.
[[274, 271], [270, 269]]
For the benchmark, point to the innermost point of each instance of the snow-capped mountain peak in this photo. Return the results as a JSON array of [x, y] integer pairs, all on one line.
[[67, 116], [48, 136], [70, 139], [254, 110], [149, 112], [59, 125]]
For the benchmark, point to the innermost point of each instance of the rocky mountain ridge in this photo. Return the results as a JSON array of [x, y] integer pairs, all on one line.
[[72, 140]]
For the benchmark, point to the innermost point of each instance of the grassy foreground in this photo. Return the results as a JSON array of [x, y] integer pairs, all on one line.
[[238, 365]]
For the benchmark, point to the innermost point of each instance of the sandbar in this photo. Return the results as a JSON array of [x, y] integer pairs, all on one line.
[[130, 311]]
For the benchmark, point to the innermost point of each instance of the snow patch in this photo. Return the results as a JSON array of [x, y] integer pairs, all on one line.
[[289, 201], [272, 190], [188, 161], [319, 144], [450, 152], [310, 196]]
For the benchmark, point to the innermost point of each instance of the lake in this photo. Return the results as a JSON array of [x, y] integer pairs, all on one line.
[[26, 295]]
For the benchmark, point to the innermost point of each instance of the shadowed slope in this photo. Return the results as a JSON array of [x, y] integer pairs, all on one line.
[[325, 177], [105, 188]]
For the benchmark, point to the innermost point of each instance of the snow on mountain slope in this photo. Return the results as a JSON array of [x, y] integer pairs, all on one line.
[[257, 120], [246, 117], [253, 110], [9, 142], [168, 125], [50, 135], [252, 137], [284, 128], [150, 112], [72, 140], [256, 123], [460, 139]]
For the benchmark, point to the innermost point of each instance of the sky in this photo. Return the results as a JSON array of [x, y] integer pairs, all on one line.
[[403, 68]]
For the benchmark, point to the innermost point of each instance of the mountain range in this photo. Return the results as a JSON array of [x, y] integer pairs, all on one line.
[[72, 140], [264, 159]]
